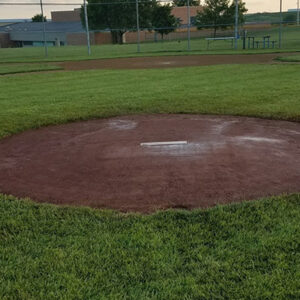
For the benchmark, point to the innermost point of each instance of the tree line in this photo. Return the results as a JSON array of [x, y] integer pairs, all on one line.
[[119, 16]]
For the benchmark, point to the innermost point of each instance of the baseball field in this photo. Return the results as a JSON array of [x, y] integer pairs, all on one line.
[[91, 209]]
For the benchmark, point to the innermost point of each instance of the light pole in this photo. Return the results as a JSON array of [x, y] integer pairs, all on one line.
[[189, 24], [280, 26], [236, 23], [298, 14], [44, 29], [87, 28], [138, 26]]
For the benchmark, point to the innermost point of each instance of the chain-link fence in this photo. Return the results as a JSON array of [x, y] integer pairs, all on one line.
[[117, 27]]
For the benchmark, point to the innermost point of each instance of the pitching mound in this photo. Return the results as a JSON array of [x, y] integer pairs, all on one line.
[[144, 163]]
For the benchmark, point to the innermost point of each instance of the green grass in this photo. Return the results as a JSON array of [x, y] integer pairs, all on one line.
[[268, 91], [75, 53], [68, 53], [26, 68], [290, 43], [244, 251], [290, 58]]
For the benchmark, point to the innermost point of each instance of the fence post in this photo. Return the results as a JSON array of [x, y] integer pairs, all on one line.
[[44, 29], [189, 24], [138, 26], [87, 28], [236, 24], [280, 26]]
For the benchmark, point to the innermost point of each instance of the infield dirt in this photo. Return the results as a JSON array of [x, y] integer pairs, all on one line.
[[170, 61]]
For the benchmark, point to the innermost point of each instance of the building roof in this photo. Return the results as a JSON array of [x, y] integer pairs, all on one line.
[[38, 26]]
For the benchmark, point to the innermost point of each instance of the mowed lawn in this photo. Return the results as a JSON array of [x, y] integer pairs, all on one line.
[[241, 251]]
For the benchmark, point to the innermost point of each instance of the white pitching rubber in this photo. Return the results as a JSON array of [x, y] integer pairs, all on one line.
[[163, 143]]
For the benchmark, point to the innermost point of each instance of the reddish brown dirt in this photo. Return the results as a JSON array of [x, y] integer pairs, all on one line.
[[169, 61], [101, 164]]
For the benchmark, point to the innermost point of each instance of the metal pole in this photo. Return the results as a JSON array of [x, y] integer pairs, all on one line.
[[189, 24], [87, 28], [298, 14], [236, 24], [44, 29], [138, 26], [280, 26]]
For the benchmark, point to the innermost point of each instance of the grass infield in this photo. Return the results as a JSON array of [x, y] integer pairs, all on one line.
[[267, 91], [241, 251]]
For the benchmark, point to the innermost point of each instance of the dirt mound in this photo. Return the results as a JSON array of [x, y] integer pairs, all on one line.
[[103, 164]]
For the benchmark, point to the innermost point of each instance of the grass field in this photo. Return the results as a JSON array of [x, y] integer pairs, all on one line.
[[290, 42], [26, 68], [242, 251], [245, 251]]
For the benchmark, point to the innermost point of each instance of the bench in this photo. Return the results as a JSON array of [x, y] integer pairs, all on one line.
[[211, 40], [266, 41], [263, 43], [273, 44], [251, 42]]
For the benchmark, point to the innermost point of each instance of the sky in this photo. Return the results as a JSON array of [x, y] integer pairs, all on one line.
[[24, 12]]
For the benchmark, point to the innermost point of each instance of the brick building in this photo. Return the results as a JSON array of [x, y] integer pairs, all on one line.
[[66, 16], [180, 13]]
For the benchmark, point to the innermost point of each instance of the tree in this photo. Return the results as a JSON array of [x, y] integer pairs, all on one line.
[[38, 18], [184, 2], [163, 21], [290, 18], [118, 17], [219, 14], [242, 11]]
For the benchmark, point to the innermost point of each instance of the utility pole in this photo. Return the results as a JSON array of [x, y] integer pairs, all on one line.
[[87, 28], [280, 26], [189, 24], [44, 29], [138, 25], [236, 23]]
